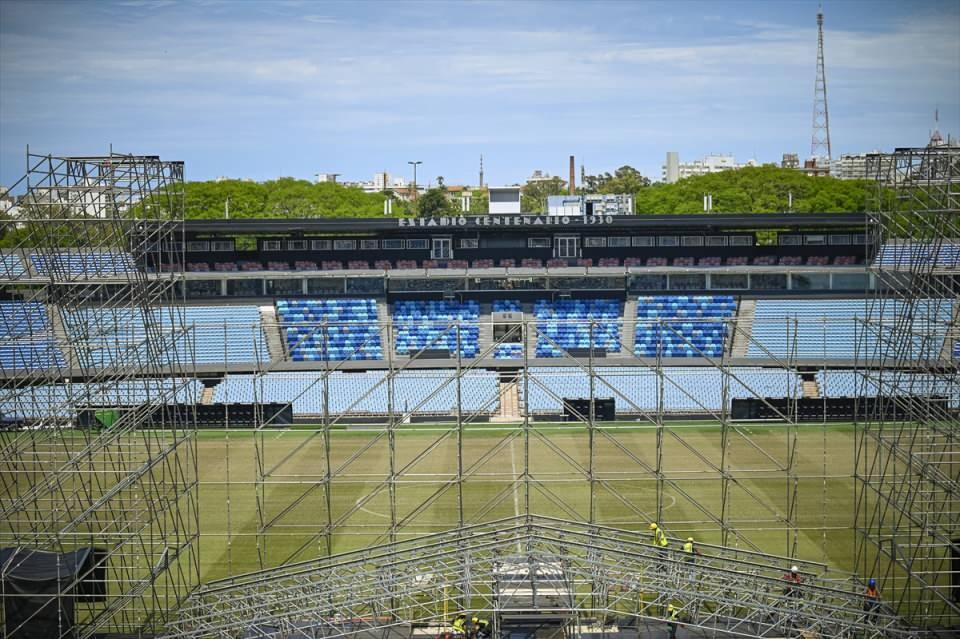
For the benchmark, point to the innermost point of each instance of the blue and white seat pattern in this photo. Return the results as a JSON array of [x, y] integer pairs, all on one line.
[[435, 324], [683, 326], [26, 338], [911, 254], [331, 329], [96, 264], [566, 324]]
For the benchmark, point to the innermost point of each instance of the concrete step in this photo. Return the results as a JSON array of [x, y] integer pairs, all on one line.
[[811, 390], [207, 396], [485, 336], [628, 332], [273, 333], [953, 334], [743, 328], [509, 403], [60, 336]]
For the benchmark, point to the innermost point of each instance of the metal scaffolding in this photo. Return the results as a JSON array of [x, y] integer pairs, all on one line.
[[91, 352], [908, 458], [348, 482], [531, 575]]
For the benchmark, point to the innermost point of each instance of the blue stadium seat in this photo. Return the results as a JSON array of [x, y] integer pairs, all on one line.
[[566, 324], [683, 326], [432, 324], [331, 329], [26, 337]]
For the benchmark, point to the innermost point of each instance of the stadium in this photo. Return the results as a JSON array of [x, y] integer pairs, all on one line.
[[364, 427]]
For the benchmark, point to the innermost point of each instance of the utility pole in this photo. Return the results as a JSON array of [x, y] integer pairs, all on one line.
[[415, 163]]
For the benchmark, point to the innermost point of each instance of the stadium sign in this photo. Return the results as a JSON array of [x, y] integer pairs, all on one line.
[[511, 221]]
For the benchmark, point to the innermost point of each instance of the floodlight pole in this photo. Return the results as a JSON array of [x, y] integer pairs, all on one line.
[[414, 163]]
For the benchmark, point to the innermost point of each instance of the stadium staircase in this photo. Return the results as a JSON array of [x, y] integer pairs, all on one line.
[[273, 333], [628, 333], [743, 328], [509, 403], [485, 336], [207, 396], [546, 572], [953, 334], [811, 390], [61, 337], [383, 321]]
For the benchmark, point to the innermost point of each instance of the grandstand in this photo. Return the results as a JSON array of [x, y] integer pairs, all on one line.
[[452, 377]]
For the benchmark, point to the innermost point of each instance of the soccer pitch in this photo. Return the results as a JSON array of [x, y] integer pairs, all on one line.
[[764, 487]]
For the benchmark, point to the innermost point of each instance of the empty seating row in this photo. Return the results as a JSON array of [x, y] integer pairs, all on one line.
[[437, 324], [566, 324], [167, 335], [907, 254], [11, 266], [848, 383], [99, 263], [684, 389], [64, 400], [683, 326], [831, 329], [27, 341], [414, 391], [331, 329]]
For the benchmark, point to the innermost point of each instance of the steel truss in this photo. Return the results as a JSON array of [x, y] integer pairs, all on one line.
[[84, 235], [531, 570], [908, 469], [325, 493]]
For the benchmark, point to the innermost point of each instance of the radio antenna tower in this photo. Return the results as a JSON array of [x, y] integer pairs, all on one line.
[[821, 117]]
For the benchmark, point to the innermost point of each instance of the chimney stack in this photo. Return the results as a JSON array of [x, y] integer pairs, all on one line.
[[572, 186]]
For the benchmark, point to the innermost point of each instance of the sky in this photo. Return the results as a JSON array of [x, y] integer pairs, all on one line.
[[260, 90]]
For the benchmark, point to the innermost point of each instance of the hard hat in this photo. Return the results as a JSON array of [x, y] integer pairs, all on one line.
[[653, 526], [689, 538], [670, 608], [872, 582], [793, 569], [474, 620]]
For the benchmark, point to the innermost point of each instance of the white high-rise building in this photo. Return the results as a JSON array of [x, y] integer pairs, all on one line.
[[675, 170]]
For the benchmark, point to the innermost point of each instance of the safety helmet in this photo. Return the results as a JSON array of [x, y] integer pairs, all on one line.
[[689, 538], [653, 526], [670, 608], [872, 582], [475, 620], [793, 569]]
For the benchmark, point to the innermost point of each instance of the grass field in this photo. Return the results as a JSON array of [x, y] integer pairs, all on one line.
[[296, 507]]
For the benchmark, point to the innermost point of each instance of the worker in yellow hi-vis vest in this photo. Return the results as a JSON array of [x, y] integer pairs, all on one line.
[[659, 539]]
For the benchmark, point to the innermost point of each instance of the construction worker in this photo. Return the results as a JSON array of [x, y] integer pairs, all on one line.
[[872, 600], [690, 552], [673, 620], [793, 580], [659, 539], [481, 627], [460, 625]]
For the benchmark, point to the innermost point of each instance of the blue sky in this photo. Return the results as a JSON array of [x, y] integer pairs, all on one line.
[[260, 90]]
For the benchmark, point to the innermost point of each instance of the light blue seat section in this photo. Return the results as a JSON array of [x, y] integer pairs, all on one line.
[[909, 254], [187, 335], [508, 350], [685, 389], [63, 400], [428, 324], [566, 324], [847, 329], [331, 329], [92, 263], [683, 325], [846, 383], [418, 391], [26, 337], [11, 267]]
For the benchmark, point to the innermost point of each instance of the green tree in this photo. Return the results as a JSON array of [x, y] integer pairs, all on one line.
[[479, 201], [626, 179], [434, 202], [533, 196]]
